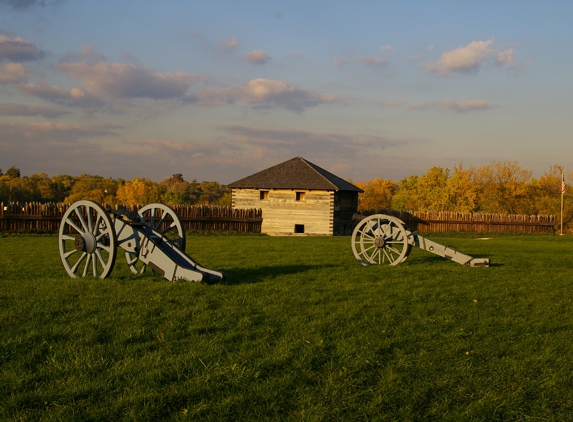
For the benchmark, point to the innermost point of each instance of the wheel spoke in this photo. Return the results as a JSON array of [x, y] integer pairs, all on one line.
[[90, 220], [100, 258], [70, 253], [82, 220], [396, 251], [96, 227], [156, 228], [171, 227], [370, 257], [154, 216], [368, 235], [389, 256], [88, 260], [94, 265], [104, 247], [70, 222], [78, 262]]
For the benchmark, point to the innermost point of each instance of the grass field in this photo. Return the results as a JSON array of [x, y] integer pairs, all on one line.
[[299, 331]]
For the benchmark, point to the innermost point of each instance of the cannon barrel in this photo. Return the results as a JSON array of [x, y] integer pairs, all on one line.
[[358, 217]]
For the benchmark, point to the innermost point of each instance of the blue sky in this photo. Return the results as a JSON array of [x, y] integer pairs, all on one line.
[[218, 90]]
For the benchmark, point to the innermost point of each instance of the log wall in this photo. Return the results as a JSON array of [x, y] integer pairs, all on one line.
[[283, 215]]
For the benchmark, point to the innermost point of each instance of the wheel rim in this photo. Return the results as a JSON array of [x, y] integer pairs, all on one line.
[[380, 239], [163, 220], [87, 241]]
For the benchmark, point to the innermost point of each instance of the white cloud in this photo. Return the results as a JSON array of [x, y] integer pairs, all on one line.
[[25, 4], [267, 92], [178, 150], [72, 98], [123, 81], [12, 73], [370, 61], [505, 58], [17, 49], [48, 131], [297, 142], [257, 57], [48, 112], [387, 48], [339, 61], [86, 53], [462, 59], [228, 45], [417, 106], [463, 106]]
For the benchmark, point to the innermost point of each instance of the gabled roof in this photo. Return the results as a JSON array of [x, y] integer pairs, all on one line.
[[296, 173]]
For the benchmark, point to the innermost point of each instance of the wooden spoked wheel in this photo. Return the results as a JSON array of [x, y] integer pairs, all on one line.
[[163, 220], [380, 239], [87, 241]]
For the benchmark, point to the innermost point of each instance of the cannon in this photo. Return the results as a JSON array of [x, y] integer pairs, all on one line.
[[152, 237], [384, 239]]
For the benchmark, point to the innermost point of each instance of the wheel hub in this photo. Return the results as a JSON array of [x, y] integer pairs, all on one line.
[[86, 243], [379, 242]]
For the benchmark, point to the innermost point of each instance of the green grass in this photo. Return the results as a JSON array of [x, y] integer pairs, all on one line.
[[299, 331]]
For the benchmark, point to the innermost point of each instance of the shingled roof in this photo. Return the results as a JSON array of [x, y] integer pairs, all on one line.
[[296, 173]]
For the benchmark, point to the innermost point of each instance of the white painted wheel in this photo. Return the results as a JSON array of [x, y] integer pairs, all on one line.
[[87, 241], [163, 220], [380, 239]]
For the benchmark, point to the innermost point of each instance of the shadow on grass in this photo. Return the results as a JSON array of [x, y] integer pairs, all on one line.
[[431, 259], [250, 276]]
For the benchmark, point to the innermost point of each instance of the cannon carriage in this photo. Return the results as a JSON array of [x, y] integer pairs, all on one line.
[[383, 239], [152, 237]]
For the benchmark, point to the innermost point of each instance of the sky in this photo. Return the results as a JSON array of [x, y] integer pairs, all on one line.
[[218, 90]]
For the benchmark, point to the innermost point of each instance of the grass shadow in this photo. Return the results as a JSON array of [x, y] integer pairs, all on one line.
[[258, 275]]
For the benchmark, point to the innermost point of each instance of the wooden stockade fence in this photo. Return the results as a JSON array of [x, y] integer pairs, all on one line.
[[444, 221], [46, 218], [37, 217]]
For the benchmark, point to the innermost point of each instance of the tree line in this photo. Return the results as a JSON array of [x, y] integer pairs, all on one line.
[[497, 187], [173, 190]]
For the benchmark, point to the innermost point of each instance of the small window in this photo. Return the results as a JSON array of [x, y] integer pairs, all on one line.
[[300, 196], [264, 194], [299, 228]]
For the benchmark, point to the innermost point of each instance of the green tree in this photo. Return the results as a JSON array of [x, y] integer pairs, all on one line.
[[461, 191], [211, 192], [432, 190], [95, 188], [406, 198], [178, 191], [13, 172], [502, 187]]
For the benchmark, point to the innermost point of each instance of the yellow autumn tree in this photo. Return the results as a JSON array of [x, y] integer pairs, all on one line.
[[378, 194], [502, 187], [138, 191]]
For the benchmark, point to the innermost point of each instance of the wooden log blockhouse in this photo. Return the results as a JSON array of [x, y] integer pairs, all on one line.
[[298, 197]]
